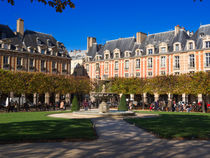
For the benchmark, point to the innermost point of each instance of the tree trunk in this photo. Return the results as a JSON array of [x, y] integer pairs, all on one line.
[[204, 104]]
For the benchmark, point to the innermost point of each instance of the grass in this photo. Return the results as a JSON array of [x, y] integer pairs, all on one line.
[[176, 125], [36, 126]]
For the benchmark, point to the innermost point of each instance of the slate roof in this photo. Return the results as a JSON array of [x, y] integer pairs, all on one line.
[[31, 39], [202, 31], [8, 36], [168, 37]]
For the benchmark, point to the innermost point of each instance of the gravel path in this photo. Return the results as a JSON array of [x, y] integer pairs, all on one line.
[[117, 138]]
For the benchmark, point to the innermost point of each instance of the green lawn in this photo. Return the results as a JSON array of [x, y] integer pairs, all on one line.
[[36, 126], [176, 125]]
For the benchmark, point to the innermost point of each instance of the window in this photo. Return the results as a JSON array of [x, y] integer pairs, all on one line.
[[149, 73], [97, 67], [5, 46], [87, 67], [163, 61], [31, 50], [31, 63], [127, 54], [207, 44], [6, 60], [19, 61], [176, 73], [207, 59], [190, 45], [150, 51], [176, 62], [177, 47], [126, 75], [63, 66], [138, 52], [42, 51], [162, 72], [116, 55], [116, 65], [106, 67], [107, 56], [115, 75], [97, 76], [137, 63], [191, 61], [163, 49], [53, 65], [149, 62], [42, 65], [138, 74], [127, 64]]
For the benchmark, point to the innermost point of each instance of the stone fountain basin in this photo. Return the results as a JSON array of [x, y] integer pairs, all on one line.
[[111, 113]]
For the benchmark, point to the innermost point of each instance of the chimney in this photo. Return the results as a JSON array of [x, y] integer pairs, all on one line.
[[177, 29], [20, 26], [90, 41], [140, 37]]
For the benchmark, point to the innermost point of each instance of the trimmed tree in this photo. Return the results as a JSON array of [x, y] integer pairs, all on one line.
[[123, 105], [75, 105]]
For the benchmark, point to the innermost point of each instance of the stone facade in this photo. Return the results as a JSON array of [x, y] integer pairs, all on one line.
[[172, 52], [32, 51]]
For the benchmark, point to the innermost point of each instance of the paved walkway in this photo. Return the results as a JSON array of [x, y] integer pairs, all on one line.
[[116, 139]]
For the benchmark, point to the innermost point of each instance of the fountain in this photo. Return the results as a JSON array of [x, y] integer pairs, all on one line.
[[103, 108]]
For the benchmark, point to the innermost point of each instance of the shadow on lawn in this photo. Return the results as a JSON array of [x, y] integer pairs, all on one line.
[[176, 126], [117, 139], [46, 130]]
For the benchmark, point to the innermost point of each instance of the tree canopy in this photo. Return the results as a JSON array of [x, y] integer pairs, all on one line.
[[59, 5]]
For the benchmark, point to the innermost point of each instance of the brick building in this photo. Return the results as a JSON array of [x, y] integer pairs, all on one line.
[[32, 51], [165, 53]]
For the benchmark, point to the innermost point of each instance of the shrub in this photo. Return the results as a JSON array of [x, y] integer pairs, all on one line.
[[123, 105], [75, 105]]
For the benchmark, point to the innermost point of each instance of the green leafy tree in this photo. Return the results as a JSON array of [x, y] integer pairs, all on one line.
[[123, 105], [75, 105], [59, 5]]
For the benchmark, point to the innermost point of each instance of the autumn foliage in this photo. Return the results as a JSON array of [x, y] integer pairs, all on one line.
[[26, 83]]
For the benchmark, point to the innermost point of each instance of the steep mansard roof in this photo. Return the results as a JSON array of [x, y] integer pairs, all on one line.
[[8, 36], [197, 37], [30, 39], [168, 37]]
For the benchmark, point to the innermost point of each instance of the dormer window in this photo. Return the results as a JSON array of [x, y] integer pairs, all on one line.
[[201, 34], [177, 47], [38, 41], [49, 43], [190, 45], [42, 51], [6, 46], [138, 52], [163, 49], [207, 44], [106, 56], [127, 54], [150, 51], [117, 55]]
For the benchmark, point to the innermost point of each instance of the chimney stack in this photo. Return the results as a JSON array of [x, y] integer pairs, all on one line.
[[90, 41], [177, 29], [140, 37], [20, 26]]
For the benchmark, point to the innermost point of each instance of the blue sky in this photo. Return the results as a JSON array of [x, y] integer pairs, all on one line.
[[105, 19]]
